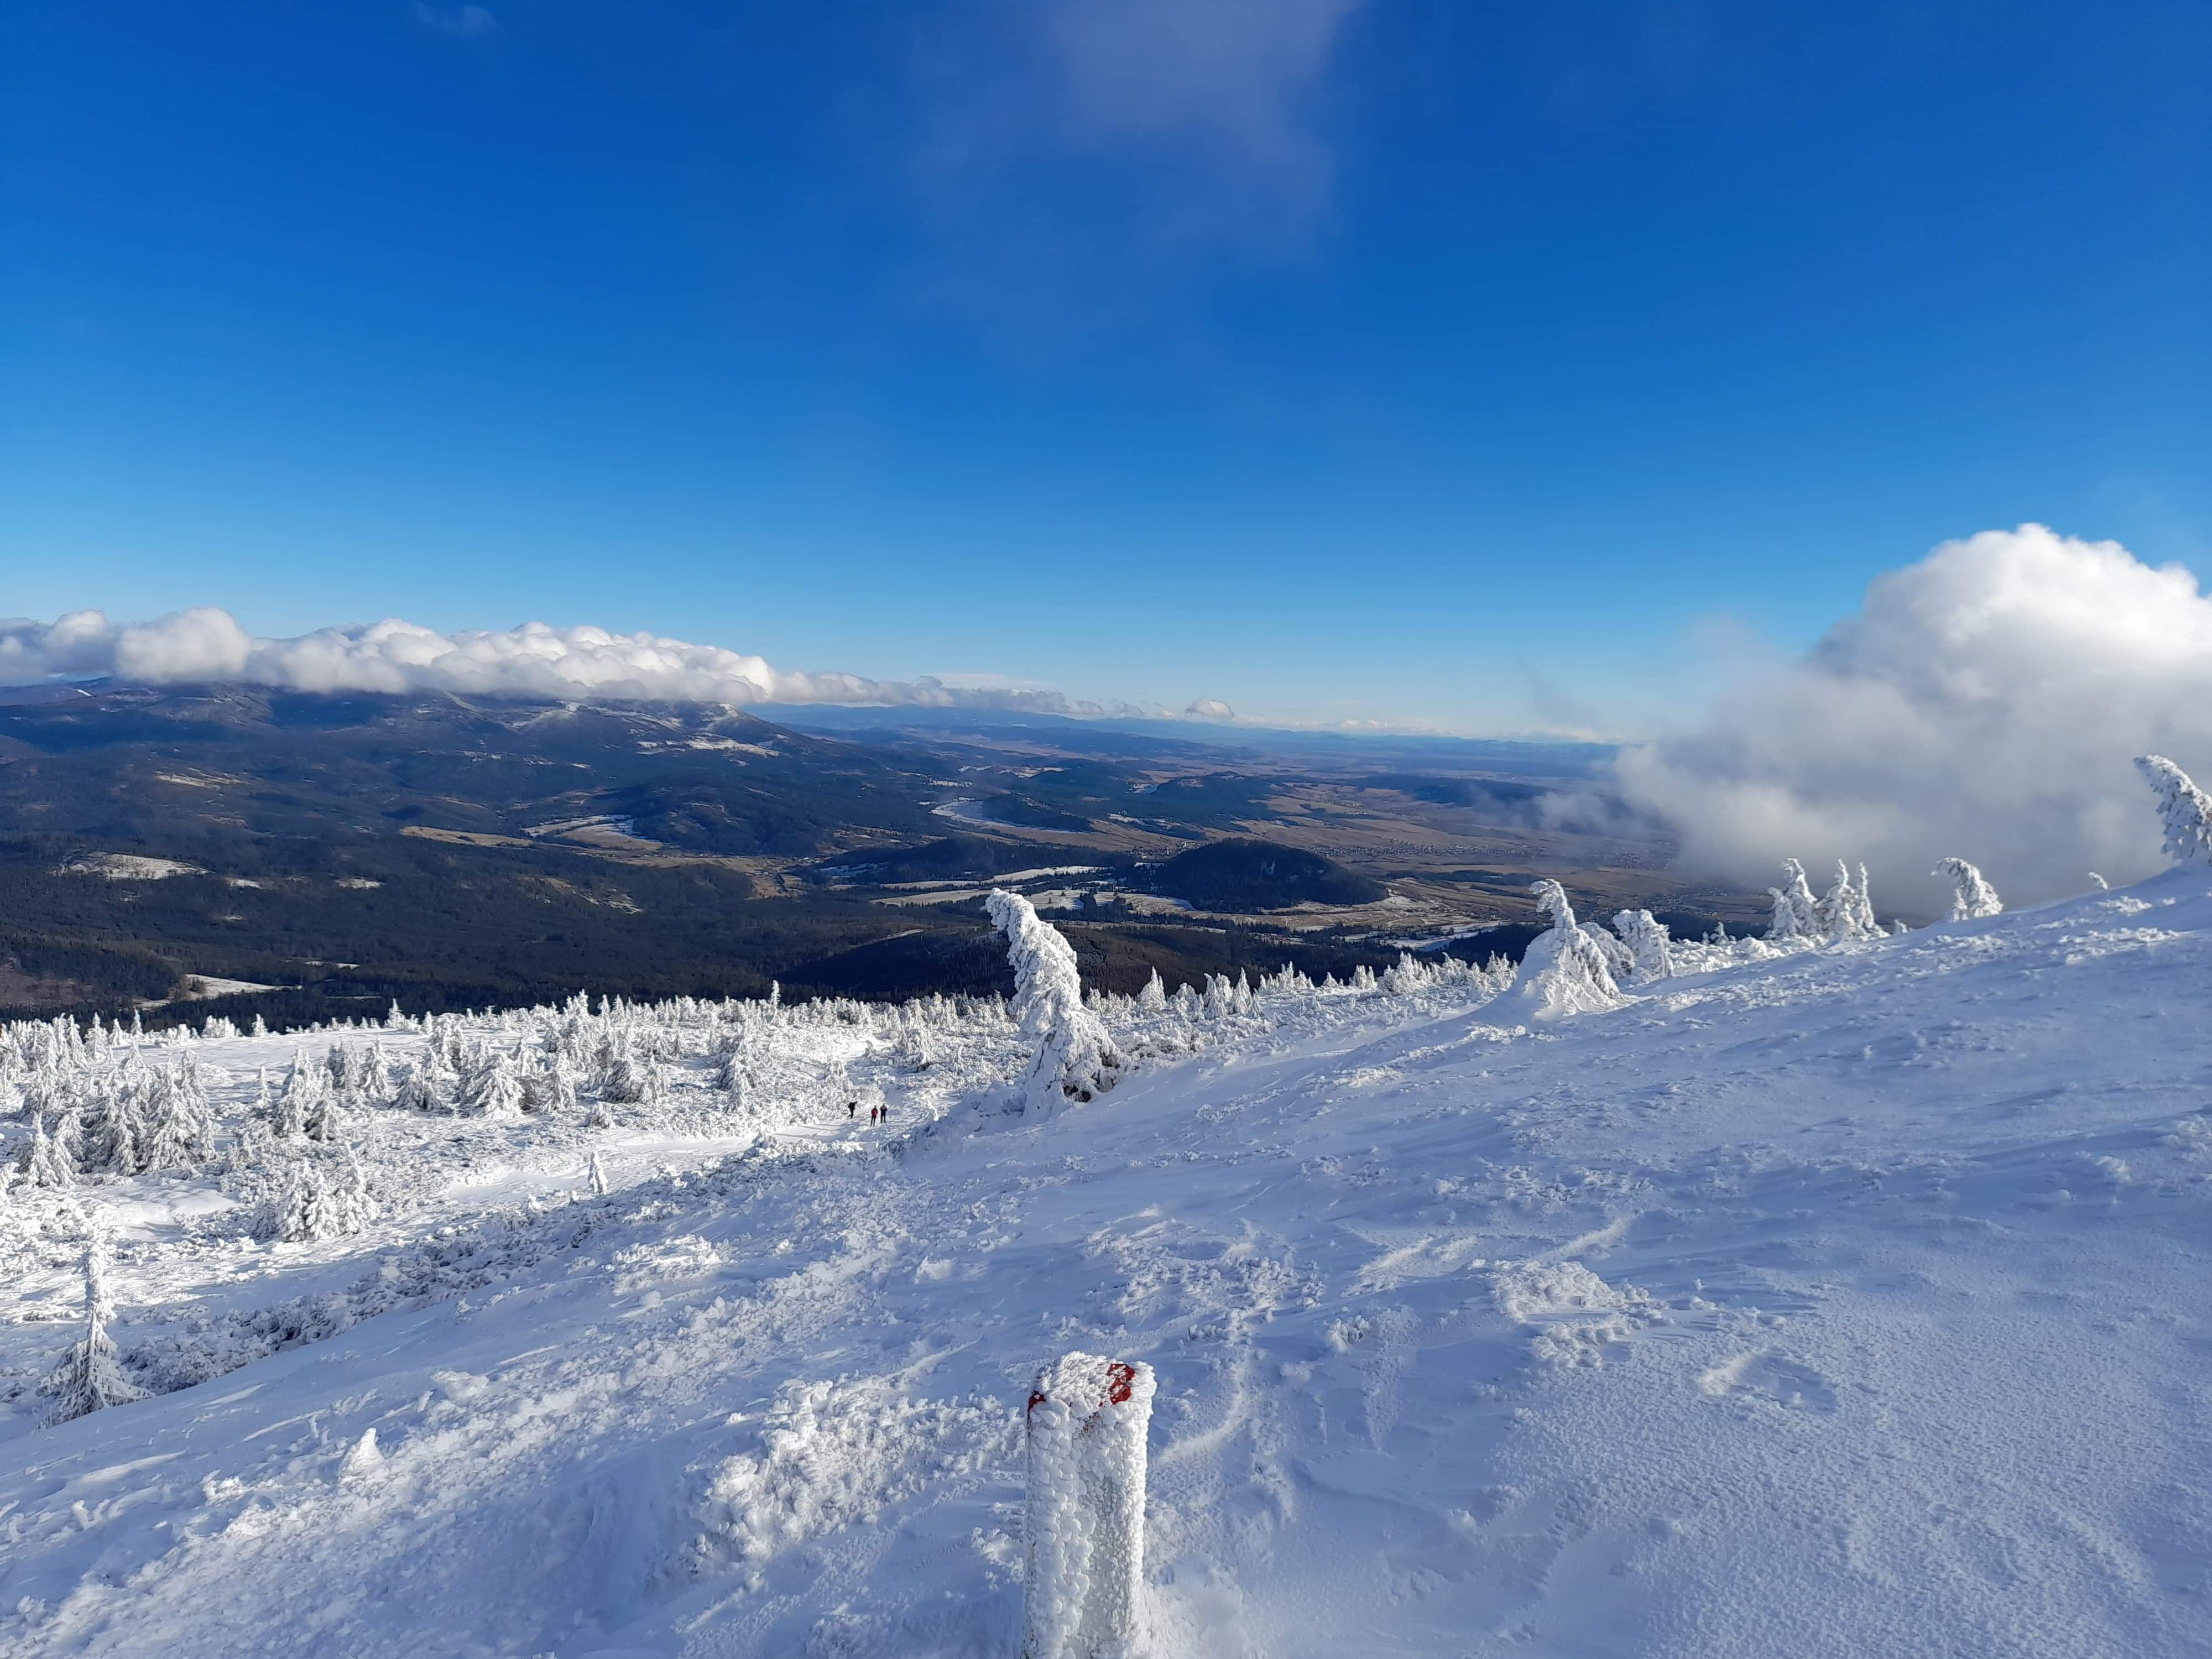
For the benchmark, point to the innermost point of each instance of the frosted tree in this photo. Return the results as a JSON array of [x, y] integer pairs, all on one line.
[[178, 1122], [2185, 810], [1619, 962], [312, 1207], [1153, 998], [552, 1088], [732, 1072], [490, 1087], [596, 1173], [1650, 946], [89, 1377], [1971, 898], [430, 1084], [1796, 910], [1563, 971], [377, 1082], [304, 1088], [353, 1205], [46, 1160], [1845, 912], [322, 1122], [625, 1077], [1076, 1060], [1864, 923], [119, 1129]]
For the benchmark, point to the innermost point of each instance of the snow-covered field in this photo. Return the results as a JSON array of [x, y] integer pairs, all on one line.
[[1852, 1302]]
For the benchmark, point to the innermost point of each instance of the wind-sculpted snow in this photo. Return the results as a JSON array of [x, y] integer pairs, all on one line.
[[1818, 1298]]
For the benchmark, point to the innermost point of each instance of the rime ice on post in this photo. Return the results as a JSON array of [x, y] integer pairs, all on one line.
[[1087, 1422]]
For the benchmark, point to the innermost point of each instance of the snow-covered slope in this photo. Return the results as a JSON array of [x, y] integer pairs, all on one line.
[[1853, 1303]]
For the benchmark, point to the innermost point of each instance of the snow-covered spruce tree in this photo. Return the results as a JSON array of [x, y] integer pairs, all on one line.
[[116, 1131], [1153, 998], [1863, 920], [178, 1122], [550, 1089], [1619, 960], [622, 1074], [914, 1051], [1972, 897], [304, 1088], [489, 1087], [89, 1377], [46, 1160], [733, 1067], [1563, 971], [1076, 1060], [2185, 810], [1650, 946], [1796, 918], [1845, 911], [430, 1084], [596, 1174]]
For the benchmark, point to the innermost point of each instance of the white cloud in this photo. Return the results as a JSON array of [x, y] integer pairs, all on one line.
[[1984, 702], [1224, 85], [1069, 145], [205, 645], [468, 21], [1210, 708]]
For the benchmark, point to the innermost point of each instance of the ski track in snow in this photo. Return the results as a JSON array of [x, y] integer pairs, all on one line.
[[1851, 1304]]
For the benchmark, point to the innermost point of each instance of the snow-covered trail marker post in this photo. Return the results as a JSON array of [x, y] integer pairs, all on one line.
[[1084, 1590]]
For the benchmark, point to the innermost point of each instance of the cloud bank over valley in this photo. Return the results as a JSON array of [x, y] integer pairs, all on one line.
[[206, 646], [1985, 702]]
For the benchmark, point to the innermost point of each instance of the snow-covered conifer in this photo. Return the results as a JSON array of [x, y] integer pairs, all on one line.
[[1796, 910], [489, 1087], [177, 1122], [117, 1131], [322, 1121], [90, 1377], [1564, 970], [596, 1173], [430, 1084], [1972, 897], [1863, 920], [1076, 1059], [624, 1074], [1650, 947], [1153, 998], [732, 1074], [2185, 810], [915, 1049], [46, 1160], [306, 1086], [552, 1088]]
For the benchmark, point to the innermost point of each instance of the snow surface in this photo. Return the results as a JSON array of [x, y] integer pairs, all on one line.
[[1850, 1303]]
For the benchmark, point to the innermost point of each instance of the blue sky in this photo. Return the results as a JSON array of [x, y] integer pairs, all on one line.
[[1493, 367]]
